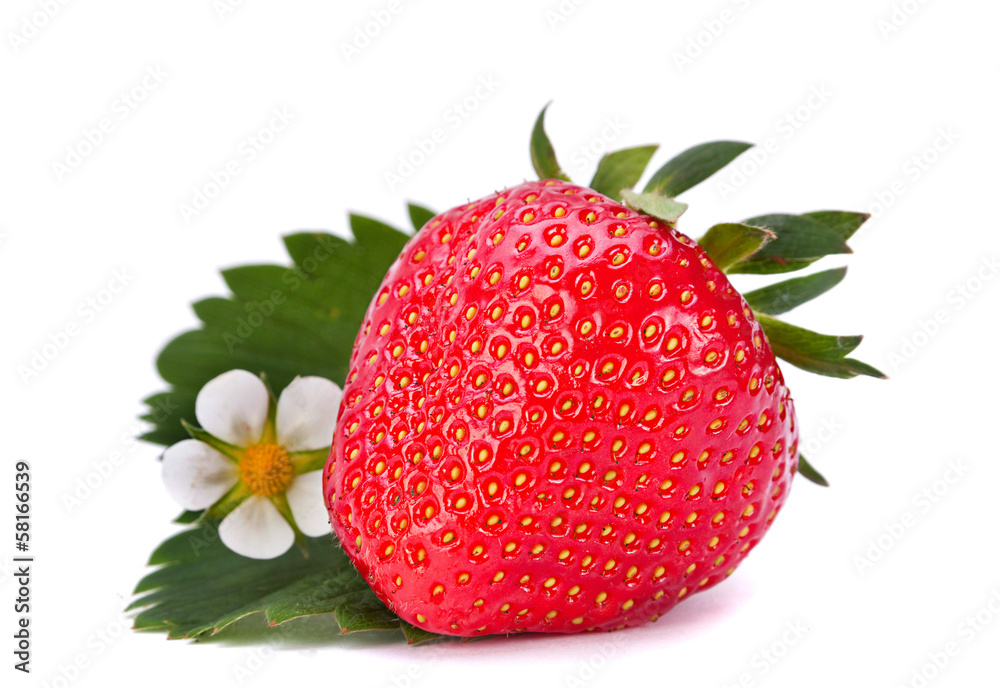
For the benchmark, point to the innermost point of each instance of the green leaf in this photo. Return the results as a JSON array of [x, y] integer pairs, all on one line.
[[543, 155], [694, 166], [656, 205], [201, 587], [845, 223], [732, 242], [816, 353], [417, 636], [366, 614], [318, 594], [782, 297], [419, 215], [164, 414], [811, 474], [283, 321], [621, 170], [800, 241], [316, 631], [377, 237]]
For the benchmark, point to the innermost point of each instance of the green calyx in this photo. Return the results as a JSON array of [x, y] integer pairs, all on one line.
[[732, 242], [656, 205], [543, 155], [768, 244]]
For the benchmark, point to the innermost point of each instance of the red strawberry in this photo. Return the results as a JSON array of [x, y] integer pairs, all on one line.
[[559, 416]]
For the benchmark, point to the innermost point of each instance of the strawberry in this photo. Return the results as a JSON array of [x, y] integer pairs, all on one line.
[[560, 416]]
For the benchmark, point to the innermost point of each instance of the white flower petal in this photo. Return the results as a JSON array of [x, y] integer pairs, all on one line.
[[233, 407], [195, 475], [256, 529], [305, 497], [307, 413]]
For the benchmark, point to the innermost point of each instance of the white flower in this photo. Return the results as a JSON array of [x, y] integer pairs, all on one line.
[[255, 463]]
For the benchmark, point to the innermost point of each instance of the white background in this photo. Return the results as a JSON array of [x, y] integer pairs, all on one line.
[[906, 127]]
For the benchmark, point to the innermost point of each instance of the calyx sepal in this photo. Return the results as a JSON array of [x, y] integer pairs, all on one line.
[[656, 205]]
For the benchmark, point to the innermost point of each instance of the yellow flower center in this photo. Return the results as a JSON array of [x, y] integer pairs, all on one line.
[[266, 470]]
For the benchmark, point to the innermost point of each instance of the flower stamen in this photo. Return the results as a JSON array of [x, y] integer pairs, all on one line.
[[266, 469]]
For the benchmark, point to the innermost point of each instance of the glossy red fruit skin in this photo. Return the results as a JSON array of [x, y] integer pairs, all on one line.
[[559, 416]]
